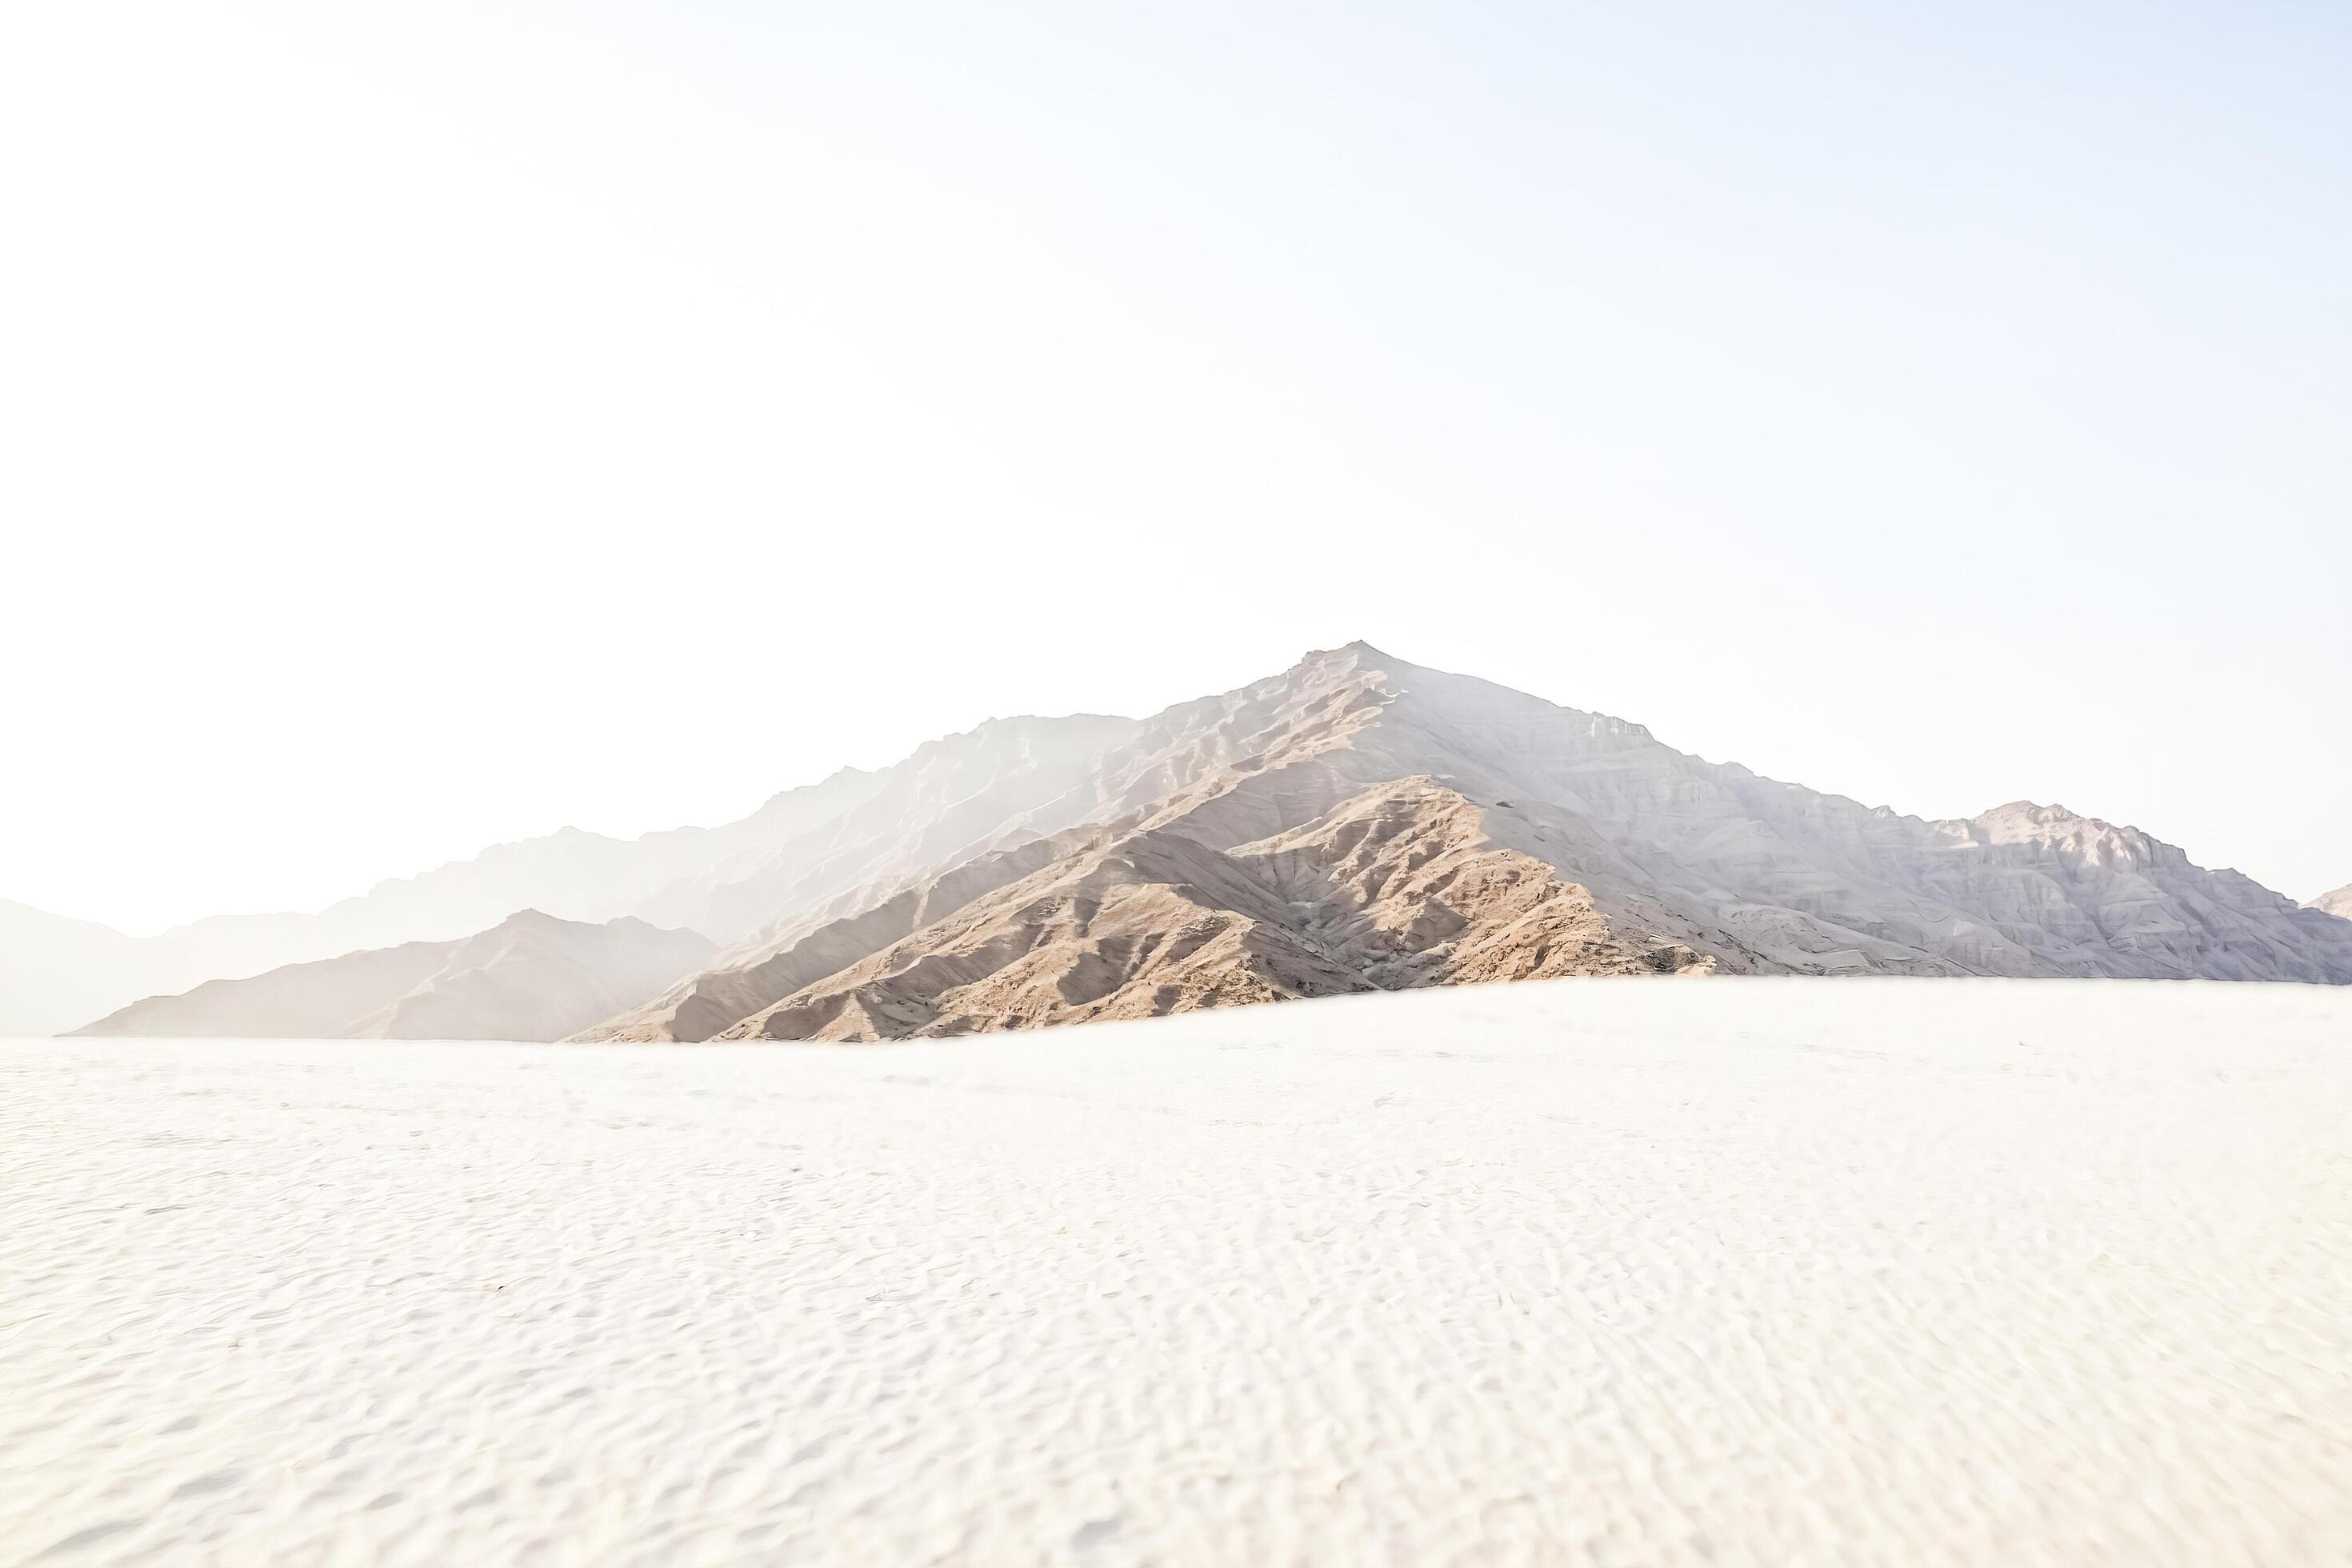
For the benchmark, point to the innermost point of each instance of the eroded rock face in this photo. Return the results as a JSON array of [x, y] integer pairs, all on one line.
[[1358, 822], [1391, 888]]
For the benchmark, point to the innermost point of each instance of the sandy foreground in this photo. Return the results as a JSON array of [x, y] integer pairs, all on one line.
[[1646, 1271]]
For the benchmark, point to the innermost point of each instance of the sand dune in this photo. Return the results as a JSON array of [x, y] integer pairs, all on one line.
[[1745, 1272]]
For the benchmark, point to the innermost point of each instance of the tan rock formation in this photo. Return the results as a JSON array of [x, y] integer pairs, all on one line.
[[1355, 821], [1360, 823]]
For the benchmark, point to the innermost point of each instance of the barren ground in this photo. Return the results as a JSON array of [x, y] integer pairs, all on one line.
[[1595, 1271]]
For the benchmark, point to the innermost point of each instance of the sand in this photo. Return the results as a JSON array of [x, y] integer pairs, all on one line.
[[1591, 1271]]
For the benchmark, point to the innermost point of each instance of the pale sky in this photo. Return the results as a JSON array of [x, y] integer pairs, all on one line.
[[428, 424]]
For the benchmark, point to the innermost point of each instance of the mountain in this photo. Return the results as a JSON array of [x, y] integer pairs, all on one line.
[[803, 848], [1356, 823], [2337, 903], [1004, 780], [1359, 822], [571, 874], [530, 977]]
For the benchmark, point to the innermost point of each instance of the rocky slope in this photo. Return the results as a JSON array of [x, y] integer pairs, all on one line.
[[1393, 888], [1360, 822], [530, 977], [2337, 903]]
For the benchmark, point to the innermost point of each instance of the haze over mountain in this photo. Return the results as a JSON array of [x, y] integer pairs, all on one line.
[[1359, 822], [1355, 822], [803, 846], [530, 977], [55, 971]]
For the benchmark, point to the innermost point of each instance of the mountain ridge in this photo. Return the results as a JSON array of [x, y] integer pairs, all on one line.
[[530, 977], [727, 882], [1673, 855], [1682, 865]]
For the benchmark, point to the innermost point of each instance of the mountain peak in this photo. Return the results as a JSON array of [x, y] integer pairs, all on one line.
[[1358, 652], [2023, 816], [1358, 822], [1354, 803]]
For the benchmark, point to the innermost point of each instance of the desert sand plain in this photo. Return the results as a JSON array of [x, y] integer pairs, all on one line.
[[1592, 1271]]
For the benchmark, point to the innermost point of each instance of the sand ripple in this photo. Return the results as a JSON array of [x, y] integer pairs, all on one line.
[[1750, 1272]]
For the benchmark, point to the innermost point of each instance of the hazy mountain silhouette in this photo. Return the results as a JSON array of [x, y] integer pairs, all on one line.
[[530, 977]]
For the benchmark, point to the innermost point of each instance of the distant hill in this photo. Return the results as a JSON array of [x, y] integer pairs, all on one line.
[[803, 848], [530, 977], [2337, 903]]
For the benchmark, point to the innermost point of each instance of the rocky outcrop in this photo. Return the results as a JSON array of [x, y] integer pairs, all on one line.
[[2337, 903], [1388, 888], [530, 977]]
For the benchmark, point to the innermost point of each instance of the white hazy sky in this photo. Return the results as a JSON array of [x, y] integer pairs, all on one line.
[[432, 424]]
